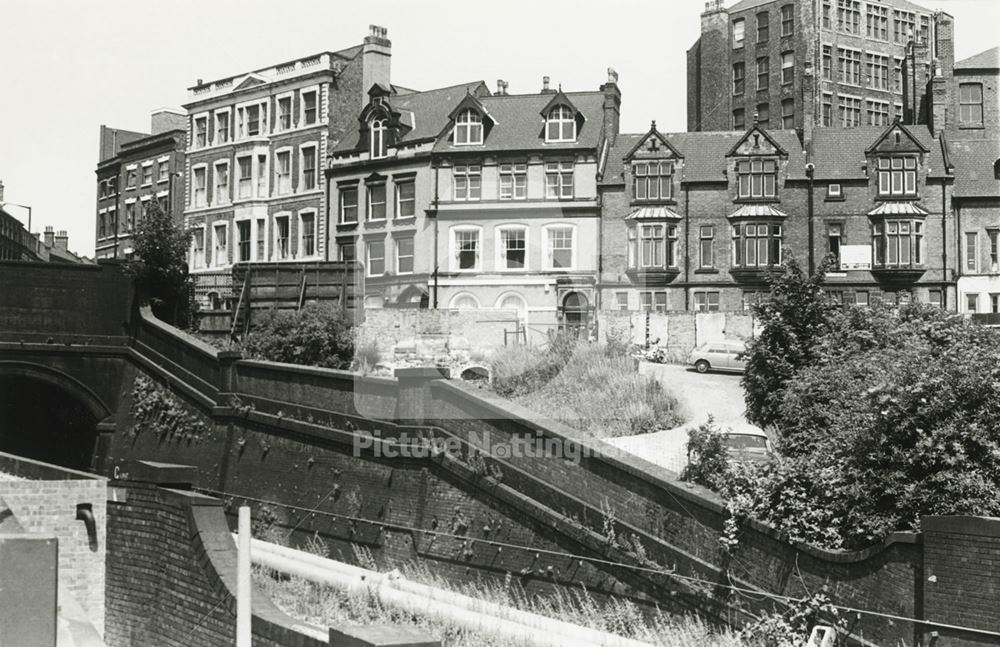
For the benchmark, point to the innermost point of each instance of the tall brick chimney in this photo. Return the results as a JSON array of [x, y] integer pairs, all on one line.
[[49, 236], [166, 119], [708, 72], [545, 86], [62, 240], [612, 105], [943, 87], [376, 54]]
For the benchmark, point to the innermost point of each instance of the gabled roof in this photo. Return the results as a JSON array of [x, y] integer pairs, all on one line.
[[471, 101], [650, 139], [990, 59], [520, 124], [974, 174], [884, 145], [841, 153], [558, 99], [425, 113], [704, 154], [756, 129]]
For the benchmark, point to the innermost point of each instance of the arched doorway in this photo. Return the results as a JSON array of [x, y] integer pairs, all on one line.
[[518, 332], [48, 416], [575, 313]]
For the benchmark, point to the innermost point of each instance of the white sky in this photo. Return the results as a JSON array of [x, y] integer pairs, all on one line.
[[68, 66]]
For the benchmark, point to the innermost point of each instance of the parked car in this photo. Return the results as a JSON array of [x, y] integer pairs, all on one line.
[[726, 355], [748, 443]]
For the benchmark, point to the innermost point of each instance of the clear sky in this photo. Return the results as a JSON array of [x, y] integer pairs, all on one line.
[[68, 66]]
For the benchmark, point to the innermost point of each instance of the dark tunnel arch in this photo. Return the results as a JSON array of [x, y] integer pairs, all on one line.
[[48, 415]]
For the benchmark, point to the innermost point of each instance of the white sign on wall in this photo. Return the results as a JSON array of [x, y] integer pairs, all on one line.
[[855, 257]]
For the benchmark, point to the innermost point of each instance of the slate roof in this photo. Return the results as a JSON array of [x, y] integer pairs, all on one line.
[[704, 153], [973, 160], [747, 4], [520, 124], [988, 59], [839, 153], [427, 112]]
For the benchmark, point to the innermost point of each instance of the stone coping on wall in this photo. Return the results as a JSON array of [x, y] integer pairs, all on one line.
[[39, 471], [317, 371], [652, 474], [962, 525], [147, 317]]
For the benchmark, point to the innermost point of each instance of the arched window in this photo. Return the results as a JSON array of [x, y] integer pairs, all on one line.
[[377, 130], [469, 127], [560, 126], [464, 301], [514, 301]]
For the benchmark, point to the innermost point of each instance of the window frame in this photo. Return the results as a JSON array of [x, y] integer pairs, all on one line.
[[467, 182], [763, 72], [279, 188], [787, 13], [303, 112], [706, 300], [560, 171], [706, 247], [963, 104], [515, 171], [199, 131], [662, 180], [739, 32], [303, 171], [454, 253], [787, 67], [216, 186], [244, 181], [888, 250], [764, 237], [561, 116], [243, 121], [886, 174], [750, 174], [370, 202], [971, 241], [398, 201], [222, 134], [286, 217], [342, 192], [280, 115], [501, 261], [301, 233], [548, 260], [238, 242], [216, 226], [398, 256], [377, 130], [194, 250], [468, 122], [788, 115], [195, 191], [739, 78], [368, 256]]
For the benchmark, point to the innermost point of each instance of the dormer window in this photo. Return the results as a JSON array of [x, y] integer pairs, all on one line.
[[758, 178], [653, 180], [377, 149], [897, 176], [469, 128], [560, 125]]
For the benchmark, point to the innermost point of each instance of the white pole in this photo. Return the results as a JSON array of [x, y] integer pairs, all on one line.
[[243, 610]]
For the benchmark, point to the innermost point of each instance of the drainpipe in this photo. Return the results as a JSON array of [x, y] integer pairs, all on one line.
[[944, 249], [810, 172], [436, 170], [958, 254], [687, 245]]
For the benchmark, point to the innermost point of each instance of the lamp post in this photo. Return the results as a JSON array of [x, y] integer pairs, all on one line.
[[23, 206]]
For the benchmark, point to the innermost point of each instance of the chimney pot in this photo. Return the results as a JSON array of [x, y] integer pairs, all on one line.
[[612, 75], [199, 82], [545, 84]]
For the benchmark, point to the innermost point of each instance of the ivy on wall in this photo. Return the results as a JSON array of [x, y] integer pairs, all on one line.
[[155, 410]]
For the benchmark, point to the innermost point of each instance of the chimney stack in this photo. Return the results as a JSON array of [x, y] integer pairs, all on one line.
[[502, 87], [376, 54], [62, 240], [545, 85], [612, 105], [49, 236]]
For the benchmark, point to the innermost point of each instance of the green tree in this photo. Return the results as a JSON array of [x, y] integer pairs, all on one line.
[[160, 266], [318, 335], [794, 317]]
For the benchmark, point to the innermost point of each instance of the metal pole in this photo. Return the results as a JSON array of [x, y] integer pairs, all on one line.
[[243, 609]]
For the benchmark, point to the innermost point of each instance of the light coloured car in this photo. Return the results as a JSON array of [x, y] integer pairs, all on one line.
[[725, 355], [746, 442]]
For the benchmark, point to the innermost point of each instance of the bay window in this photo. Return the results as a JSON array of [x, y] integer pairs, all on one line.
[[898, 243], [757, 245], [652, 246]]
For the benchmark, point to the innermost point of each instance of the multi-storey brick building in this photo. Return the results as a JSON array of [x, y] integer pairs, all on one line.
[[459, 198], [380, 185], [825, 63], [694, 221], [133, 170], [255, 145]]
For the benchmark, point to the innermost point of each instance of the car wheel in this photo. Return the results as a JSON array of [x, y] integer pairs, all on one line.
[[701, 366]]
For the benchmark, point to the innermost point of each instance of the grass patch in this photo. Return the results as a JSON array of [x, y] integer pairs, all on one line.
[[594, 389], [327, 606]]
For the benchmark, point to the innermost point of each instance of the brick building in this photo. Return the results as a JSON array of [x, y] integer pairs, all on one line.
[[459, 198], [255, 144], [133, 170], [380, 185], [825, 63], [694, 221]]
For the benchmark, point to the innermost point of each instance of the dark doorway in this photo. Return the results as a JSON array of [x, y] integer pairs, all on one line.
[[41, 421]]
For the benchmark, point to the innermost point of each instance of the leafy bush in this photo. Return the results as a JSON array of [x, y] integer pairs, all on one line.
[[707, 457], [160, 266], [318, 335], [366, 357]]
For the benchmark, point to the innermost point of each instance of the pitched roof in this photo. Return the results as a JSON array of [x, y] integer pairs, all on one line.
[[747, 4], [839, 153], [425, 112], [974, 160], [520, 124], [704, 153], [988, 59]]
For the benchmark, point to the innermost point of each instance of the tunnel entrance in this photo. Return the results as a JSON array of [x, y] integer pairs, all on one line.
[[42, 421]]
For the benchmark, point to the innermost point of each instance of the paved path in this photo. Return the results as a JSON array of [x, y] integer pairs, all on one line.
[[718, 394]]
